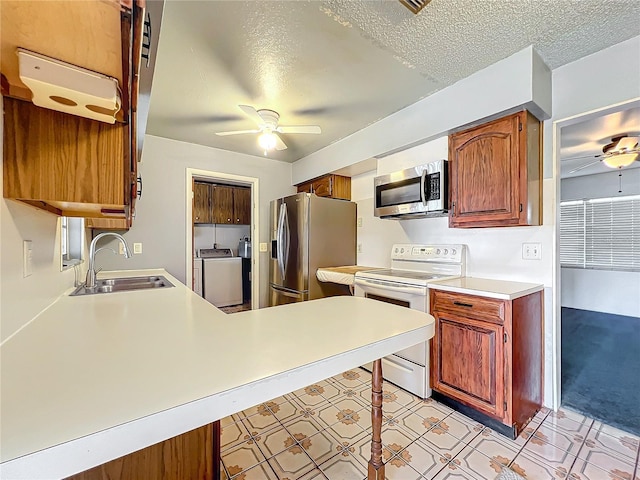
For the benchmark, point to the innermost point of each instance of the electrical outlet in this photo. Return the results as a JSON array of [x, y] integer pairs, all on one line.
[[532, 251], [359, 221], [27, 258], [359, 248], [137, 248], [263, 247]]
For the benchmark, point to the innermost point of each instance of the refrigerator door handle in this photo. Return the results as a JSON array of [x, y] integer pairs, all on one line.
[[279, 239], [286, 293], [286, 237]]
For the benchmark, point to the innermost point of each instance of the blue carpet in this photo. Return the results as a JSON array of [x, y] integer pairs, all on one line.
[[601, 367]]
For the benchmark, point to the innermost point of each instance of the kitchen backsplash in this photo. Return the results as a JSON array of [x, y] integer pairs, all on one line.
[[225, 236]]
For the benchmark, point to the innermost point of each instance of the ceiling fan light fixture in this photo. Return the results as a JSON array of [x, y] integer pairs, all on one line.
[[267, 141], [620, 160]]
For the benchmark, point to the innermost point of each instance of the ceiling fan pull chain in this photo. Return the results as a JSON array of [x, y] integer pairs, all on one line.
[[619, 179]]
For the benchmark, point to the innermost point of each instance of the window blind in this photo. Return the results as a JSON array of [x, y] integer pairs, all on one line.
[[601, 233]]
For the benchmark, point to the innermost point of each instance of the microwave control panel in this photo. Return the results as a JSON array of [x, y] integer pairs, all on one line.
[[433, 189]]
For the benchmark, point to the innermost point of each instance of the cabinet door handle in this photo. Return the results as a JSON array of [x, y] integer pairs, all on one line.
[[461, 304]]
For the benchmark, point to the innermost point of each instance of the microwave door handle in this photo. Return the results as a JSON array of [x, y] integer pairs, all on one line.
[[424, 186]]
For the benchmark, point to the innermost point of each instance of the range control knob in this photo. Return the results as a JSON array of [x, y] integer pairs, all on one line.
[[396, 250], [438, 252], [402, 250], [446, 251], [453, 251]]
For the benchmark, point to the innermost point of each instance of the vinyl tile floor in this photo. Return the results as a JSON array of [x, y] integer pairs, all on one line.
[[323, 432]]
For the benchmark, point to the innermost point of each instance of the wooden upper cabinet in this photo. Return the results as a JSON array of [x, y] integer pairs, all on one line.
[[332, 186], [67, 164], [495, 173], [202, 203], [222, 204], [242, 206]]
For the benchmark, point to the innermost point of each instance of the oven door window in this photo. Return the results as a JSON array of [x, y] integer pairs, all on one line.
[[398, 193]]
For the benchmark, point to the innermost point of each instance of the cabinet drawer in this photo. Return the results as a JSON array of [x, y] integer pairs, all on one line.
[[470, 306]]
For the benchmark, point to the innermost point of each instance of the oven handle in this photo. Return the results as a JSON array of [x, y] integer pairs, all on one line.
[[391, 287]]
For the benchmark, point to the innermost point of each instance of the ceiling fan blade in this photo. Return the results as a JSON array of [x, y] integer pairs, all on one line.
[[578, 158], [252, 113], [299, 129], [584, 166], [280, 145], [236, 132], [627, 143]]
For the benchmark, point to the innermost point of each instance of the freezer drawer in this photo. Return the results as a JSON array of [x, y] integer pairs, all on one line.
[[282, 296], [222, 278]]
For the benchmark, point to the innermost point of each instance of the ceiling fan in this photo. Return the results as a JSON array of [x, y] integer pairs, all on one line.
[[621, 152], [268, 128]]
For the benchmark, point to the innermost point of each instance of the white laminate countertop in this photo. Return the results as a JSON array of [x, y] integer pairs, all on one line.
[[95, 377], [342, 275], [484, 287]]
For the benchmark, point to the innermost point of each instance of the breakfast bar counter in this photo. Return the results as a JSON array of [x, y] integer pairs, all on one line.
[[96, 377]]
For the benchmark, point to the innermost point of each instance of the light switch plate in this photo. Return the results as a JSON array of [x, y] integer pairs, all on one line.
[[120, 248], [359, 221], [263, 247], [359, 248], [27, 258], [137, 248], [532, 251]]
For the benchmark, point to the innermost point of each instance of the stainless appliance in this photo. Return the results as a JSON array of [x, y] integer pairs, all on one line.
[[416, 192], [406, 284], [308, 232], [244, 248], [221, 276], [244, 252]]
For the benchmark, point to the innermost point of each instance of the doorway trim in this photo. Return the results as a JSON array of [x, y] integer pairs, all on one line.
[[557, 271], [253, 182]]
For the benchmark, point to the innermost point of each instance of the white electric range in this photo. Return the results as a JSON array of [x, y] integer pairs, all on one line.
[[405, 283]]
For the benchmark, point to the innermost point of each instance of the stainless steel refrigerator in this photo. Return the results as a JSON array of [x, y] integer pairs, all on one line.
[[309, 232]]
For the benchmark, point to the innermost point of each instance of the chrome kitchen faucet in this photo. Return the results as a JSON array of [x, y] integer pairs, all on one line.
[[90, 281]]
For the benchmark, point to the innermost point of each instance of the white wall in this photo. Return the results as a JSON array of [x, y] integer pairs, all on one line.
[[492, 252], [224, 236], [601, 185], [161, 213], [521, 80], [601, 290], [21, 299]]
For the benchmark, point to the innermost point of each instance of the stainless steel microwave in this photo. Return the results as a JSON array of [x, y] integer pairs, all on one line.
[[421, 191]]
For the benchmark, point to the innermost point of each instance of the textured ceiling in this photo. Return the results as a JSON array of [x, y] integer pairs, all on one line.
[[345, 64]]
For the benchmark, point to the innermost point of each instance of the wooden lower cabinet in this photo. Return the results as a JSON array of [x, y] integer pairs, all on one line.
[[187, 456], [487, 355]]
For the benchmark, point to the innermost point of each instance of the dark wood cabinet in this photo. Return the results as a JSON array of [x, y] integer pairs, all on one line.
[[332, 186], [496, 173], [187, 456], [221, 204], [201, 203], [242, 206], [486, 354], [66, 164]]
